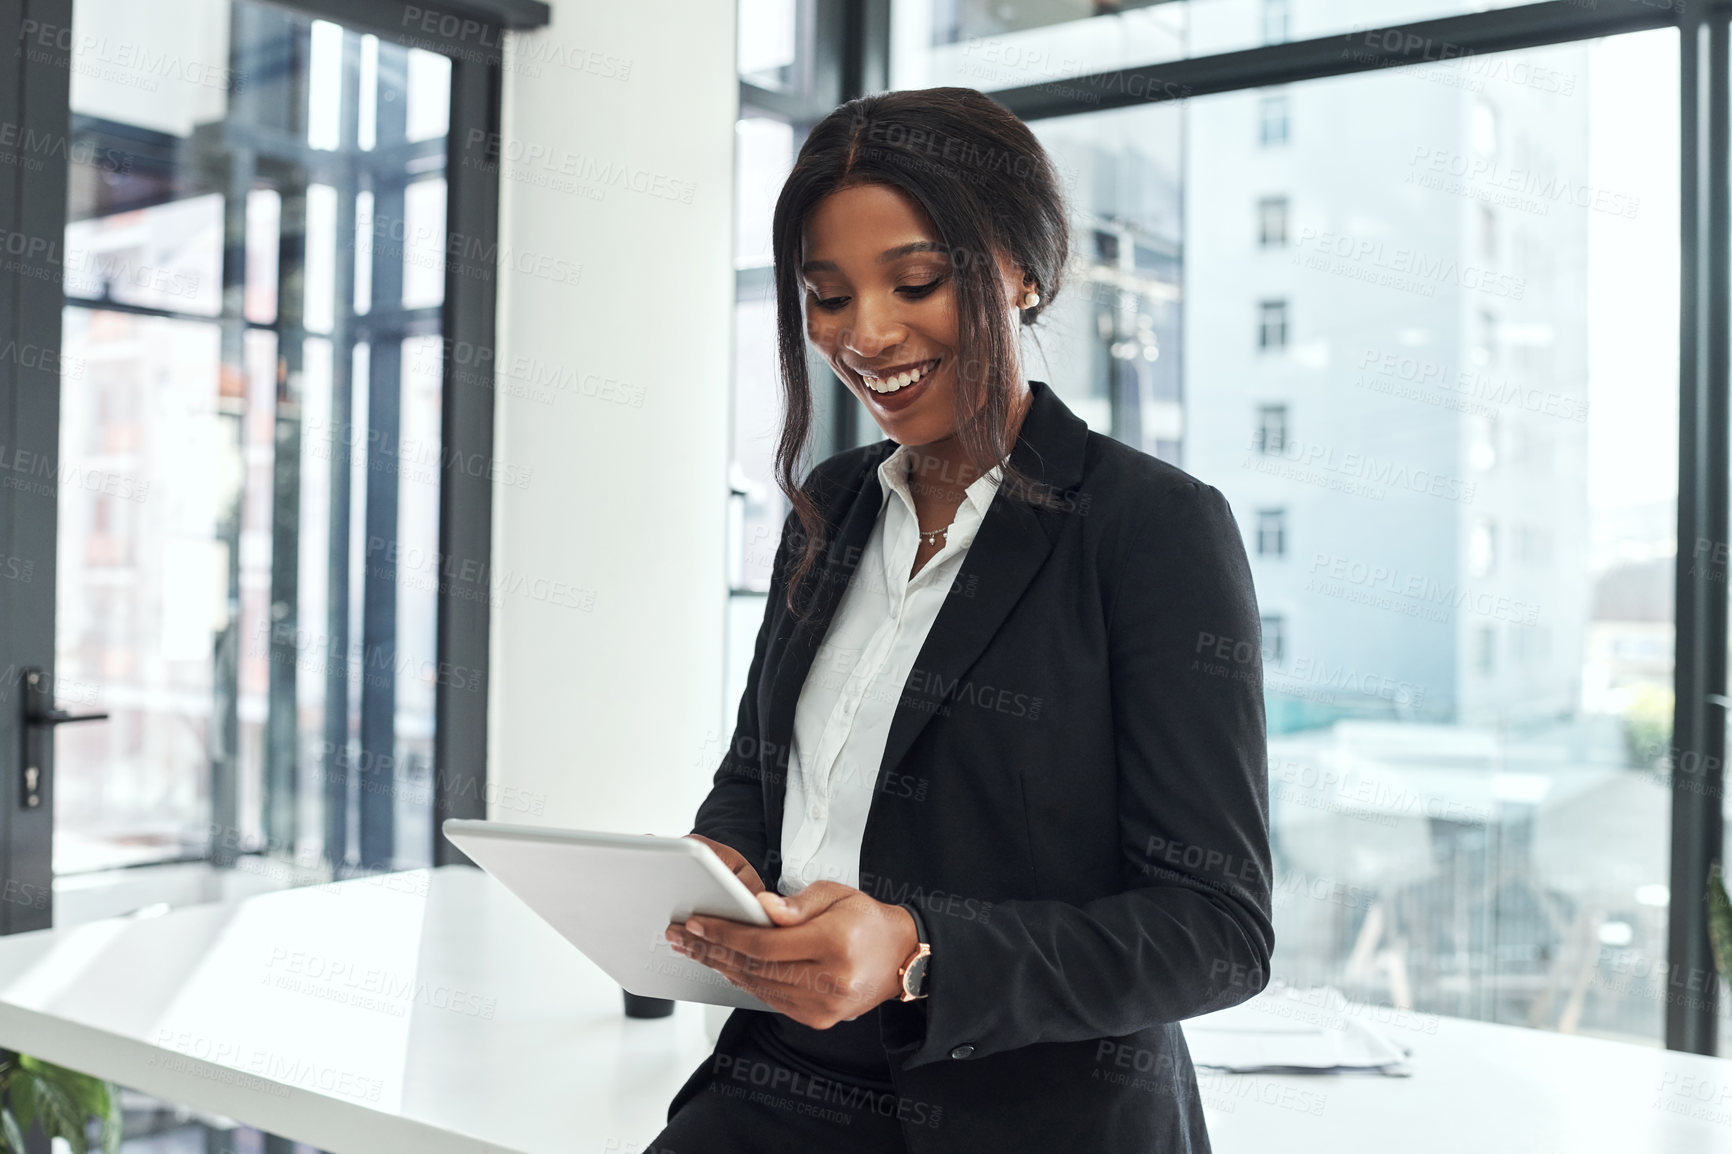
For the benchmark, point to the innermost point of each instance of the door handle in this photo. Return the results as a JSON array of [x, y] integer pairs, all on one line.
[[40, 714], [49, 718]]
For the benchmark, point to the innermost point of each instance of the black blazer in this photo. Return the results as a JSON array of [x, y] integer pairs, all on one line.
[[1074, 791]]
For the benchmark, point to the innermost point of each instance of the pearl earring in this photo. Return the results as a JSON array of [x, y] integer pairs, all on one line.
[[1033, 299]]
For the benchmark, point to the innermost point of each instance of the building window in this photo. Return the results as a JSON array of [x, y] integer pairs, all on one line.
[[1487, 337], [1482, 548], [1486, 658], [1484, 129], [1274, 21], [1274, 639], [1272, 324], [1271, 428], [1272, 221], [1271, 532], [1482, 442], [1272, 120]]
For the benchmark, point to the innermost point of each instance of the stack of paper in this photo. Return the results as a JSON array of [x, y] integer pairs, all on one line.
[[1291, 1031]]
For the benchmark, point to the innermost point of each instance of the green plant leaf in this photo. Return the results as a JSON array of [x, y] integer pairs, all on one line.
[[58, 1113], [61, 1101], [1719, 921], [21, 1095], [91, 1094], [113, 1122], [11, 1132]]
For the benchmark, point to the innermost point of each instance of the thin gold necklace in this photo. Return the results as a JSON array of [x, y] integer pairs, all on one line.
[[932, 537]]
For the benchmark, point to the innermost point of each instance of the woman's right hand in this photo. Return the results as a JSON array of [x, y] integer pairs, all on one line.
[[735, 861]]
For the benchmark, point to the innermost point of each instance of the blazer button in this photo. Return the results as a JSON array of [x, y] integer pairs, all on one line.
[[962, 1051]]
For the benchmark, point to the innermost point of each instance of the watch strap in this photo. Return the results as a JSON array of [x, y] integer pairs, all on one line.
[[919, 922]]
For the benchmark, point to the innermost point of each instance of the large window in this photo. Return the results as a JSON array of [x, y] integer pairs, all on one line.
[[256, 610], [1446, 727], [1466, 562]]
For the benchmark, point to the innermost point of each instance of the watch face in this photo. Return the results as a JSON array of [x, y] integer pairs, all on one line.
[[914, 981]]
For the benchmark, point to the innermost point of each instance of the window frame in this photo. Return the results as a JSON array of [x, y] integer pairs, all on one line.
[[1279, 210], [1280, 412], [1272, 531], [33, 201], [1274, 324], [1274, 131]]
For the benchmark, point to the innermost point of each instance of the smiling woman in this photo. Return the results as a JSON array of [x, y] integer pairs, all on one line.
[[919, 229], [1004, 823]]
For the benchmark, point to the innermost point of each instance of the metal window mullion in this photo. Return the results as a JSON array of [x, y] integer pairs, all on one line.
[[460, 775], [1366, 50], [378, 770], [34, 94], [1699, 721]]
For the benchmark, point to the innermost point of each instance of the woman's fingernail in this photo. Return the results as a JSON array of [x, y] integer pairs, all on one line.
[[695, 928]]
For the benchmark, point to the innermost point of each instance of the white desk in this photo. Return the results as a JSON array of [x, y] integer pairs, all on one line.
[[431, 1012]]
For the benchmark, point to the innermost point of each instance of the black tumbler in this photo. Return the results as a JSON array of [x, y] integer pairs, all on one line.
[[638, 1006]]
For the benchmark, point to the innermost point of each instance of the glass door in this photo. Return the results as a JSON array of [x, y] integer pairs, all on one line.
[[246, 472]]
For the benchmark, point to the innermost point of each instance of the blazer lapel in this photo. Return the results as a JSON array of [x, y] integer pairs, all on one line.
[[1012, 543]]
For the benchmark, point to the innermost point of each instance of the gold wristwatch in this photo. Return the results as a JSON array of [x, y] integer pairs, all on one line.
[[912, 973]]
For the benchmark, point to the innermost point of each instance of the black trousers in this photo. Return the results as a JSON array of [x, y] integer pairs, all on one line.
[[788, 1087]]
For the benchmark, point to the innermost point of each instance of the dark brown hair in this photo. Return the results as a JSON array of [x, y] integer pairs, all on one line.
[[988, 187]]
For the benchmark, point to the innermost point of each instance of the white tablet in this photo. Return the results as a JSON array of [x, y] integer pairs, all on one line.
[[612, 896]]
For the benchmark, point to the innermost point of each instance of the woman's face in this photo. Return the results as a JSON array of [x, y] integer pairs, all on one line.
[[881, 307]]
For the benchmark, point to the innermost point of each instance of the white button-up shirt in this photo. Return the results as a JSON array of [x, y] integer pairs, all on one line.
[[842, 721]]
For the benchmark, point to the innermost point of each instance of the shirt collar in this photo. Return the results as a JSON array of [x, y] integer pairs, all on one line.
[[893, 475]]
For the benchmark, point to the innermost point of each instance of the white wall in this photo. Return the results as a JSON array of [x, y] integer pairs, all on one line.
[[604, 718]]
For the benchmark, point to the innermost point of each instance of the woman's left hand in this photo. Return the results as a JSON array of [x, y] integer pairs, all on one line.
[[832, 954]]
